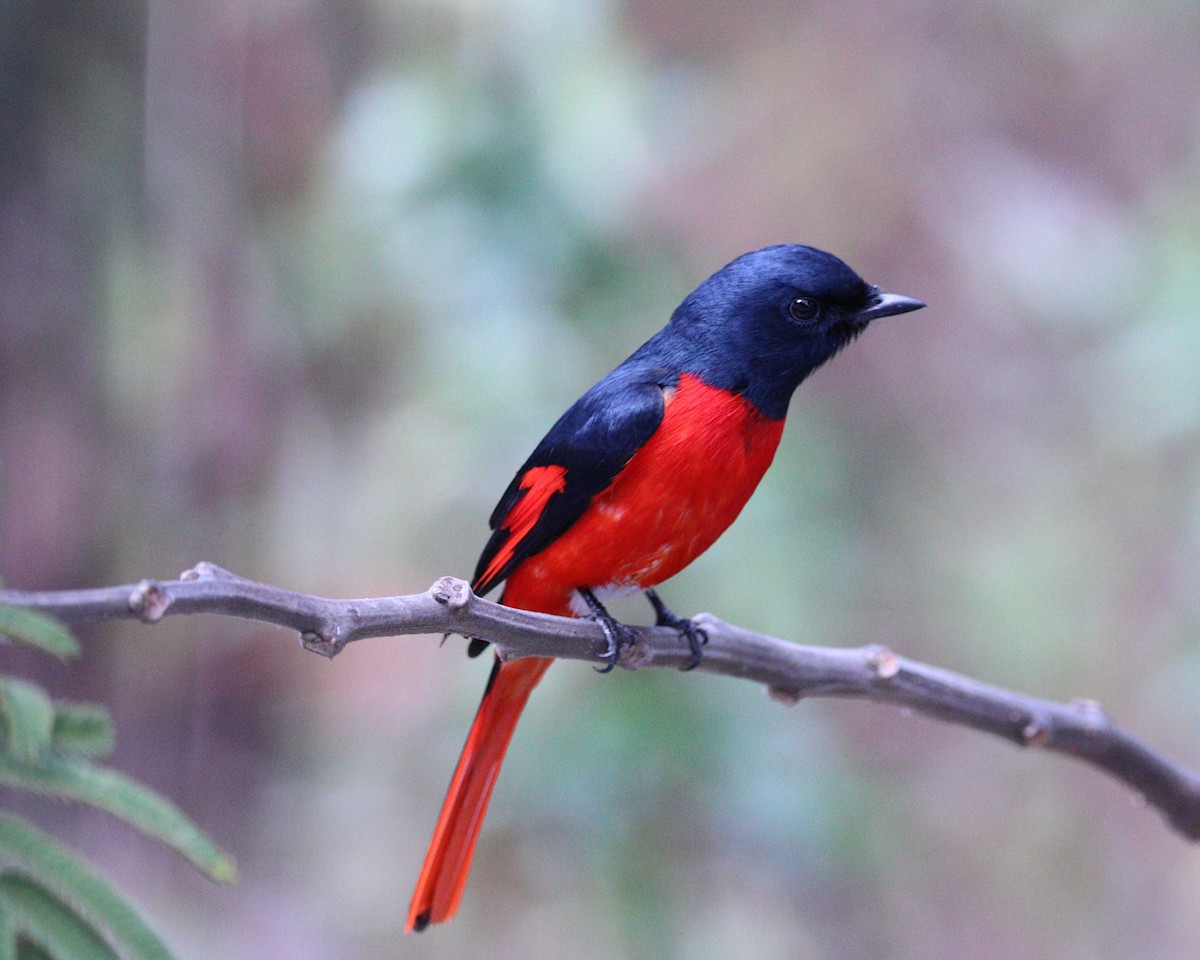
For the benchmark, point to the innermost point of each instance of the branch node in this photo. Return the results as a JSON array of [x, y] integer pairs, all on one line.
[[788, 697], [1091, 714], [208, 571], [323, 646], [1036, 733], [883, 663], [452, 592], [635, 656], [149, 601]]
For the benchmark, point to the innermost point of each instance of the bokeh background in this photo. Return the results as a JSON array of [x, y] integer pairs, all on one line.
[[294, 286]]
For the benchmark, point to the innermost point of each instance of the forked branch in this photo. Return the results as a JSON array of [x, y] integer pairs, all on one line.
[[789, 671]]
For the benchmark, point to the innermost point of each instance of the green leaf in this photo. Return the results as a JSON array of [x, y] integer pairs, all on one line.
[[77, 779], [82, 729], [27, 719], [43, 884], [37, 630], [41, 925]]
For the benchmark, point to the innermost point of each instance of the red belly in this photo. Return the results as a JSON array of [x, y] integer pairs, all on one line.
[[673, 499]]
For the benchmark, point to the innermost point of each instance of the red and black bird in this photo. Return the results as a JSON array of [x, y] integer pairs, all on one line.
[[637, 479]]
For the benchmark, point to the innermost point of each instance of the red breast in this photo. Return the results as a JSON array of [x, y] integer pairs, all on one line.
[[676, 495]]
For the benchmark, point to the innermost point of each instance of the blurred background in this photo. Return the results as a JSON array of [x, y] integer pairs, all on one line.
[[295, 286]]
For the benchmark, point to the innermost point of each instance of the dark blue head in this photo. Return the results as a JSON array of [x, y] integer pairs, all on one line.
[[763, 323]]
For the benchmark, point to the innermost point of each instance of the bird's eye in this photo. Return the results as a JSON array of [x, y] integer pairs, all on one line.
[[804, 309]]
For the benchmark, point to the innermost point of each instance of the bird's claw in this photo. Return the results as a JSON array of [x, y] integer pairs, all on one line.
[[689, 630], [696, 638], [618, 635]]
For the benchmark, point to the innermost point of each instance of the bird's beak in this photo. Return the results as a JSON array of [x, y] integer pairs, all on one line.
[[886, 305]]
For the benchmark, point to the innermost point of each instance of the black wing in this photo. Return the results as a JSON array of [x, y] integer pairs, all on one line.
[[580, 456]]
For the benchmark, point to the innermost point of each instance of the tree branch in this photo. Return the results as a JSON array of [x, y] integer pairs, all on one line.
[[789, 671]]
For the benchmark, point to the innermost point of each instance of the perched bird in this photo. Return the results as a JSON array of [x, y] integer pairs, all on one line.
[[637, 479]]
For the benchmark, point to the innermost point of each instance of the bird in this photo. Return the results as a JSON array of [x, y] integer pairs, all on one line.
[[638, 478]]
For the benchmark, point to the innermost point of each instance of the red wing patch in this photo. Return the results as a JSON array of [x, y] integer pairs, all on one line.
[[538, 484]]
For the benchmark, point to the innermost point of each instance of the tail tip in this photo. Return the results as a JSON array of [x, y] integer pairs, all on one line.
[[418, 922]]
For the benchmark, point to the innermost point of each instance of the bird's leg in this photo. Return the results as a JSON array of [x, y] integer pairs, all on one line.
[[617, 634], [694, 635]]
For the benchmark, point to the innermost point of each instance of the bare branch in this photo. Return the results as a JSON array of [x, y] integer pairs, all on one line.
[[789, 671]]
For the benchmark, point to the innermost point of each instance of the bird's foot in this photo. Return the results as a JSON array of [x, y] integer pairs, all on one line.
[[616, 633], [693, 634]]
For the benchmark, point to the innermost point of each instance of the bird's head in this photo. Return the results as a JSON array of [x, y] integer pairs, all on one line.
[[764, 322]]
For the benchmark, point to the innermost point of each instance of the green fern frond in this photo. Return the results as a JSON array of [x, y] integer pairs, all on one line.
[[74, 778], [26, 719], [37, 630], [52, 899]]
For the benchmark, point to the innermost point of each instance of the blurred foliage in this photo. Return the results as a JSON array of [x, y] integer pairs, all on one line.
[[296, 286], [52, 904]]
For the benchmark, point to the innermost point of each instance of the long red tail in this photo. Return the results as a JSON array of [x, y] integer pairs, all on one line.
[[448, 861]]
